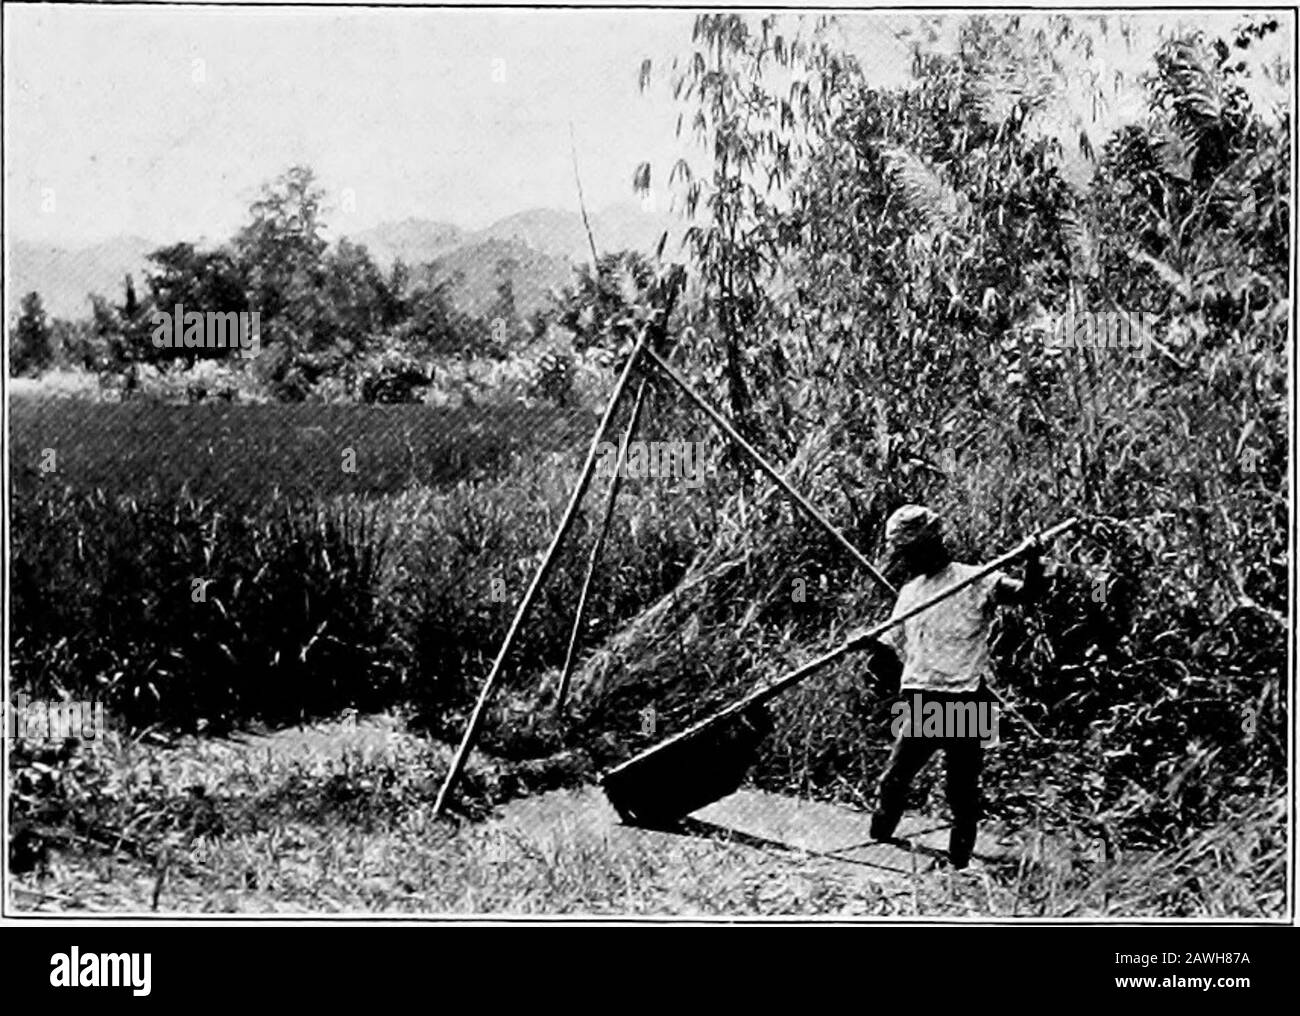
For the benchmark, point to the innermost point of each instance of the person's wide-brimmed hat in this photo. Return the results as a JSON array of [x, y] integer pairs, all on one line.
[[909, 524]]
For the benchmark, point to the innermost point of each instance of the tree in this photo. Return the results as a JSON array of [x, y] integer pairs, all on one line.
[[599, 307], [357, 301], [755, 137], [77, 345], [31, 347], [283, 236], [280, 253], [203, 281], [431, 325], [1192, 206]]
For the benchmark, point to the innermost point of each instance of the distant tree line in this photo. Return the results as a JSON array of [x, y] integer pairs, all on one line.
[[328, 313]]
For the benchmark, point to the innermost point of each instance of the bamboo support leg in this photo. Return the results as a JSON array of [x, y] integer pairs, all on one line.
[[570, 513], [610, 501]]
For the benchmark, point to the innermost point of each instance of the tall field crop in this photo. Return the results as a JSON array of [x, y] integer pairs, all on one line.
[[244, 452]]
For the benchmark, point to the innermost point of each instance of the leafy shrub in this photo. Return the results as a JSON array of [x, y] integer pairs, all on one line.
[[552, 377], [393, 378]]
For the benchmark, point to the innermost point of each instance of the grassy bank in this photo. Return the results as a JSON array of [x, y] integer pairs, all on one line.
[[218, 827]]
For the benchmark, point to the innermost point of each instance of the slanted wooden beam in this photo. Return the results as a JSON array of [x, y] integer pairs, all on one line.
[[725, 426]]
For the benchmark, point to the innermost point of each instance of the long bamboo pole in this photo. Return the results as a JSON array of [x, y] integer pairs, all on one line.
[[570, 513], [725, 426], [856, 642], [610, 500]]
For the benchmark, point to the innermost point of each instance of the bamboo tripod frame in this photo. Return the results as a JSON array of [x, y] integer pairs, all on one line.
[[642, 349]]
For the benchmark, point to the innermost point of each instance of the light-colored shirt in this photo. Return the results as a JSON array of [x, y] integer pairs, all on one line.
[[945, 648]]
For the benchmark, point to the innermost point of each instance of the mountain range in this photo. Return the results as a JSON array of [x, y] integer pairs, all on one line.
[[65, 278], [536, 249]]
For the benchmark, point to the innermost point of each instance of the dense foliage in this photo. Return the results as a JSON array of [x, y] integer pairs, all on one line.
[[899, 352]]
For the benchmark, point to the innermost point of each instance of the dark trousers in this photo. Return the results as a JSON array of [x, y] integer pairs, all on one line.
[[963, 756]]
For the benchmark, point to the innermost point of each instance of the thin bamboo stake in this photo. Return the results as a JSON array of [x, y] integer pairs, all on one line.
[[851, 644], [610, 500], [721, 421], [614, 483], [582, 206], [570, 513]]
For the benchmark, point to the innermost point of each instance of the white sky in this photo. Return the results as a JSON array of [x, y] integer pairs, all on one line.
[[163, 123]]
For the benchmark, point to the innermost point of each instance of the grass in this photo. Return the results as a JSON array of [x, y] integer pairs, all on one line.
[[210, 826], [296, 869], [338, 820]]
